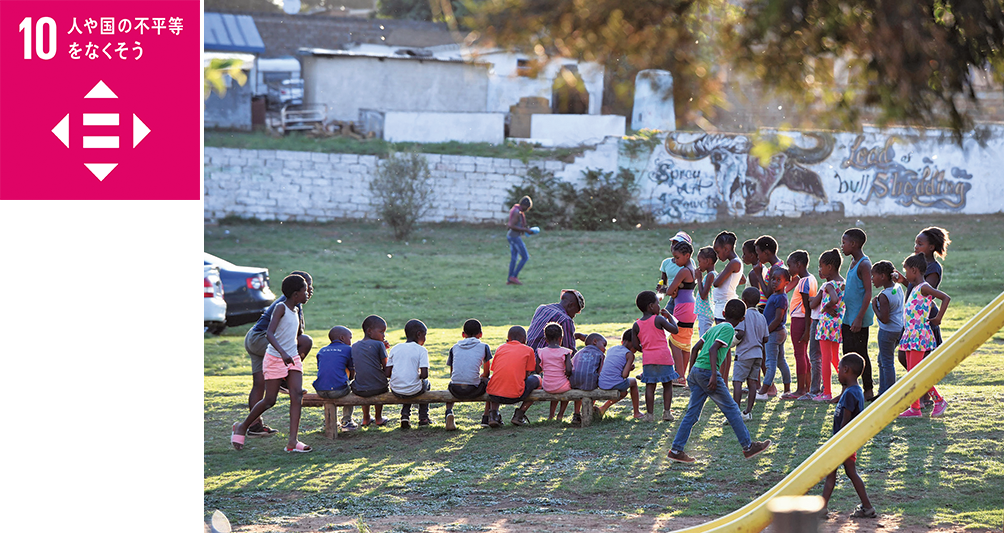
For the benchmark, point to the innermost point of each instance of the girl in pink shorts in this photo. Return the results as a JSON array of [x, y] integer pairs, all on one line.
[[282, 360]]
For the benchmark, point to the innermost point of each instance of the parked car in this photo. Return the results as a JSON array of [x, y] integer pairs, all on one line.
[[212, 295], [285, 92], [245, 290]]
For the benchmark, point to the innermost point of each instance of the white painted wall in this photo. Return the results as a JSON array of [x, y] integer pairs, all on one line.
[[575, 130], [347, 83], [506, 86], [653, 101], [401, 126]]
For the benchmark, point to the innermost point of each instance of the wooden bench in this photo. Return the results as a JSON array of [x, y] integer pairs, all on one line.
[[331, 414]]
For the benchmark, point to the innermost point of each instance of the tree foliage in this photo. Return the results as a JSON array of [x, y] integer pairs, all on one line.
[[429, 10], [908, 60]]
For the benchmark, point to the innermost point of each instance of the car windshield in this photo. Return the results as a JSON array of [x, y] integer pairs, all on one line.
[[210, 259]]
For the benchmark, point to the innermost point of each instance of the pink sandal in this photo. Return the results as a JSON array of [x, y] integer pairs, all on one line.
[[236, 439], [299, 448]]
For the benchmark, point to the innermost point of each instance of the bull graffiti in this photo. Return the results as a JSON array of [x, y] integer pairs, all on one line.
[[743, 184]]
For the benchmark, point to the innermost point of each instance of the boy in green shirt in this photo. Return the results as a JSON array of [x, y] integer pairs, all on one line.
[[705, 382]]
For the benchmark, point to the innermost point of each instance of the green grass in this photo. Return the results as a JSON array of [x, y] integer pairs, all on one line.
[[297, 141], [948, 470]]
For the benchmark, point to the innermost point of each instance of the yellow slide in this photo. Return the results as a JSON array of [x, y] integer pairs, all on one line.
[[754, 516]]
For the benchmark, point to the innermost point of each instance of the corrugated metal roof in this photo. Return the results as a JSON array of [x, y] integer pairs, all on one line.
[[232, 33]]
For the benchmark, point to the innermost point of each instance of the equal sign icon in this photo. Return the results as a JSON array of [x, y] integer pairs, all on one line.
[[99, 142]]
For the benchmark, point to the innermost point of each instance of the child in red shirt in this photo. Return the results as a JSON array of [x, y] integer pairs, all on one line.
[[512, 380]]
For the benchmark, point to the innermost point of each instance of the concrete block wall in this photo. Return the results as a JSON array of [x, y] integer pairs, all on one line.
[[316, 187]]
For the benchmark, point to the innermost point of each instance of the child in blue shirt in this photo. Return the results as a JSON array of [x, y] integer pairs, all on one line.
[[586, 364], [776, 313], [851, 403], [614, 375], [335, 370]]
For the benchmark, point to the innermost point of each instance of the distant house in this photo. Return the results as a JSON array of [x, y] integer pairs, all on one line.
[[229, 36]]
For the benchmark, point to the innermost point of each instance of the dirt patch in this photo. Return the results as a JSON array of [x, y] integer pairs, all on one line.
[[500, 521]]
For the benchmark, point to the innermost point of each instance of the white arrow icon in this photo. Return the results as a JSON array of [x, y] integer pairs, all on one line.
[[62, 131]]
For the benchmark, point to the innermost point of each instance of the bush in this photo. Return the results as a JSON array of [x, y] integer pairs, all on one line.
[[402, 188], [605, 202]]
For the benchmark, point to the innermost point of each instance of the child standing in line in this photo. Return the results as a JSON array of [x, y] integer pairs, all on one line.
[[851, 403], [555, 366], [657, 358], [805, 288], [408, 371], [706, 259], [858, 316], [617, 367], [586, 364], [705, 382], [466, 360], [917, 335], [766, 253], [830, 300], [750, 352], [756, 275], [681, 287], [669, 268], [888, 307], [279, 364], [369, 356], [776, 314], [724, 286], [335, 371], [512, 378]]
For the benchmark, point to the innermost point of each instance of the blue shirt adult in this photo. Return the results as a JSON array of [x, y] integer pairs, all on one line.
[[332, 362], [775, 302]]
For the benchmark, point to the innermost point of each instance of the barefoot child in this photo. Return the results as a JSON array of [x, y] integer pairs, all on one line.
[[370, 359], [851, 403], [408, 371], [555, 366], [469, 362], [617, 366], [279, 364], [750, 352], [705, 382], [657, 359], [918, 337]]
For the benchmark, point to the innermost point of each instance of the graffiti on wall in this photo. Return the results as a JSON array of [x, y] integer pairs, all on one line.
[[740, 181], [886, 176]]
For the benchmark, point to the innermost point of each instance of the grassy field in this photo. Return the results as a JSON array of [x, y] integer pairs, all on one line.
[[941, 471]]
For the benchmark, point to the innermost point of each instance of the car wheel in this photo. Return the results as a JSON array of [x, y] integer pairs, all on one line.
[[216, 329]]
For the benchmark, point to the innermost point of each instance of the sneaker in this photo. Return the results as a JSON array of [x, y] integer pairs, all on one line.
[[747, 417], [822, 398], [494, 420], [451, 422], [762, 397], [756, 448], [484, 421], [667, 416], [862, 512], [911, 413], [262, 431], [513, 281], [349, 426], [576, 420], [680, 457], [807, 397], [519, 418], [648, 418], [939, 408], [405, 423]]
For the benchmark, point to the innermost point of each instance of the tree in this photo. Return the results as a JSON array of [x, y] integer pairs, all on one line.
[[429, 10], [910, 60]]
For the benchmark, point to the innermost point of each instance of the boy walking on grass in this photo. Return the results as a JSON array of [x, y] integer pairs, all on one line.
[[705, 382], [852, 402]]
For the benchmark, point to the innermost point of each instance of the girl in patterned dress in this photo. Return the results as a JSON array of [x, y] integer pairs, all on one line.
[[917, 334], [830, 301]]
